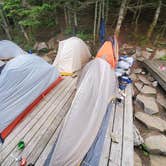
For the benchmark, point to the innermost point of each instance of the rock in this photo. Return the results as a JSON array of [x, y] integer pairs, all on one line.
[[149, 49], [156, 144], [46, 58], [138, 140], [156, 160], [138, 85], [138, 71], [137, 160], [127, 46], [134, 56], [140, 58], [138, 51], [133, 76], [143, 72], [52, 43], [161, 99], [146, 54], [154, 83], [40, 46], [149, 104], [36, 45], [150, 78], [151, 122], [159, 53], [144, 79], [148, 90], [51, 54]]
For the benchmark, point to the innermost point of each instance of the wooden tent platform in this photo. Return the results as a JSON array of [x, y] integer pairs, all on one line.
[[40, 128], [153, 66], [118, 147]]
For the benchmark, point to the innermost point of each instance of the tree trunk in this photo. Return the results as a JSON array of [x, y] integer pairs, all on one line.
[[65, 14], [137, 17], [121, 17], [103, 8], [25, 33], [95, 21], [152, 26], [160, 33], [107, 11], [69, 17], [5, 25], [135, 12], [75, 19], [99, 17]]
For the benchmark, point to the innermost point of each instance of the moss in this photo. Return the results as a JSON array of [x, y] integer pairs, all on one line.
[[163, 58]]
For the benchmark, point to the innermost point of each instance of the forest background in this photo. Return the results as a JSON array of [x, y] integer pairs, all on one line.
[[140, 22]]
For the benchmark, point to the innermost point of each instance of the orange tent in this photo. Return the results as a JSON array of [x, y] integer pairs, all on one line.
[[107, 52]]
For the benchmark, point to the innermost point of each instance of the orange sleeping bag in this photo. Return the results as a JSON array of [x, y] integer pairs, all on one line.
[[106, 52]]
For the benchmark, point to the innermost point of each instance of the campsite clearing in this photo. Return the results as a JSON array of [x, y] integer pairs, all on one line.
[[40, 128]]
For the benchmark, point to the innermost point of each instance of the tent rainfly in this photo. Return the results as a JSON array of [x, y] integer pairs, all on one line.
[[109, 51], [9, 50], [23, 82], [95, 88], [72, 55]]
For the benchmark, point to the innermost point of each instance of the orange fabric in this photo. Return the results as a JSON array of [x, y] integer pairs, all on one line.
[[8, 129], [106, 52]]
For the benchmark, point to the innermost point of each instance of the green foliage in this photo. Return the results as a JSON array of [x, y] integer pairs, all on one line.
[[141, 39], [35, 15], [18, 38], [144, 149], [163, 58], [81, 34], [84, 36], [32, 15], [68, 31]]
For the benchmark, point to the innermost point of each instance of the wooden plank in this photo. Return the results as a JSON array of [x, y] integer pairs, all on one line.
[[127, 148], [43, 156], [106, 147], [35, 112], [26, 124], [34, 121], [116, 148], [153, 68], [42, 143], [39, 128], [154, 65]]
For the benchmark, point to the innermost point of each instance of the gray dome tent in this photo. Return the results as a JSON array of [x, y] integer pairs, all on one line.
[[9, 49], [22, 81]]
